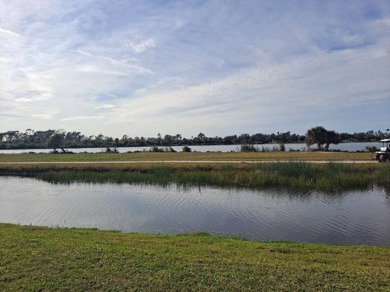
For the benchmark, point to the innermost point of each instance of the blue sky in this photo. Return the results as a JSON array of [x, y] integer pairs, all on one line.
[[219, 67]]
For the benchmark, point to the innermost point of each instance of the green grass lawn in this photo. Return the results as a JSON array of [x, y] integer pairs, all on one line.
[[38, 258]]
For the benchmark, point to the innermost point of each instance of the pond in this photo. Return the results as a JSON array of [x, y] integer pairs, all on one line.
[[351, 218], [351, 147]]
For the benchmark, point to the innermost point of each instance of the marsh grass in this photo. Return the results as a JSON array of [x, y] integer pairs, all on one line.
[[330, 177], [54, 259], [326, 177], [188, 156]]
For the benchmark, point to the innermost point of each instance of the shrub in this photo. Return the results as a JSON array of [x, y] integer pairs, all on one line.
[[187, 149], [109, 150], [156, 149], [169, 149], [371, 149], [249, 148]]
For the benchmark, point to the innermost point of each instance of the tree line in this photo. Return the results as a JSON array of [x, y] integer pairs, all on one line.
[[30, 139]]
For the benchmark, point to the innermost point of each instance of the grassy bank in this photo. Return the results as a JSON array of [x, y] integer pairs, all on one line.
[[329, 177], [38, 258], [182, 156]]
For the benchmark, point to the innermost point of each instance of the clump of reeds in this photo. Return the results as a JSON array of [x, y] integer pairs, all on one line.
[[251, 148], [327, 177], [113, 150], [157, 149], [248, 148]]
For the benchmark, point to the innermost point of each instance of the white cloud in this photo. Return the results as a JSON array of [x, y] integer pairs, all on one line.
[[82, 118], [8, 32], [139, 45], [24, 100], [383, 22], [96, 69], [121, 66], [45, 115], [105, 106]]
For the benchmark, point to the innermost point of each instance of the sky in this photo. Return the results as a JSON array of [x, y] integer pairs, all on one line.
[[140, 68]]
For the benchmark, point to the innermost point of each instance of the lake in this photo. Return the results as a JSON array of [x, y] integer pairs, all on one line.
[[351, 218], [352, 147]]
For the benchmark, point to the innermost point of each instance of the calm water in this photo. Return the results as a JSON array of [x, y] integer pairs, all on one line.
[[352, 147], [360, 217]]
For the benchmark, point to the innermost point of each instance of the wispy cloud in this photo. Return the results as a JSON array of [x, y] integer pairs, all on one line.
[[48, 115], [8, 33], [122, 64], [139, 45], [105, 106], [82, 118]]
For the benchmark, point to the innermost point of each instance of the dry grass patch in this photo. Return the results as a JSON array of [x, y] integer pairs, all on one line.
[[193, 156]]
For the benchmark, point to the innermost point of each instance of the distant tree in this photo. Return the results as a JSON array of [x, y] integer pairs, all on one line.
[[56, 141], [229, 140], [200, 139], [331, 138], [168, 140], [178, 139], [315, 135], [245, 139], [322, 137]]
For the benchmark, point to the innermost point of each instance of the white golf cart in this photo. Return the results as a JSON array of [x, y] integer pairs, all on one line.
[[383, 155]]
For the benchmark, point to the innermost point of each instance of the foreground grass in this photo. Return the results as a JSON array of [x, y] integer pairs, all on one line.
[[182, 156], [38, 258], [329, 177]]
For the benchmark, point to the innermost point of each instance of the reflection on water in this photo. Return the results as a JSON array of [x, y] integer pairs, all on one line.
[[359, 217]]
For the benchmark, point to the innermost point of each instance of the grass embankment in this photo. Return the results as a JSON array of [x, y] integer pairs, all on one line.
[[39, 258], [330, 177], [193, 156]]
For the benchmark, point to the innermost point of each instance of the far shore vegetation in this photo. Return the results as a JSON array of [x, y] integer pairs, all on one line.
[[54, 259], [60, 139]]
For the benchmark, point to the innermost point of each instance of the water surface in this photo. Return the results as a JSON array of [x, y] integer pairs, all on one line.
[[359, 217], [352, 147]]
